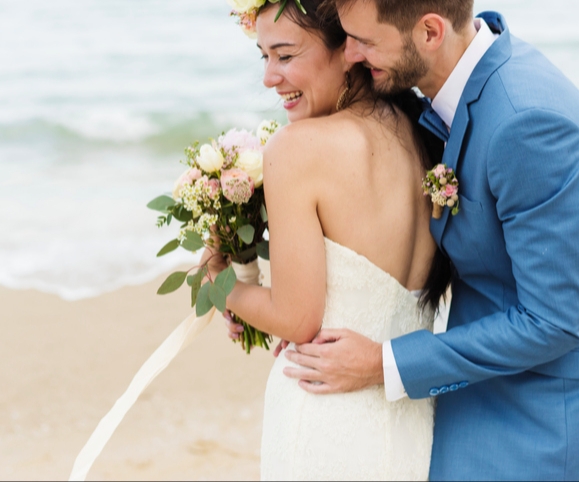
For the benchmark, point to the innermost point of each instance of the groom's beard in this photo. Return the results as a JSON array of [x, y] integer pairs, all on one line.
[[406, 73]]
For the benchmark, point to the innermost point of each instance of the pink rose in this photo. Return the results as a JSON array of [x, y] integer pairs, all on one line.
[[236, 141], [439, 170], [449, 190], [186, 178], [239, 139], [214, 186], [237, 185]]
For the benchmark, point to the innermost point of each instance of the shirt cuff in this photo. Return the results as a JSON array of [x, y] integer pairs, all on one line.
[[392, 381]]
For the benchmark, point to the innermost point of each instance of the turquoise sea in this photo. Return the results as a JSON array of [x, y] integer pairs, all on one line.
[[98, 99]]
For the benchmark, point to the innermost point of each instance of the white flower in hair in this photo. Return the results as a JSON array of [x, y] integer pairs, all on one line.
[[245, 6]]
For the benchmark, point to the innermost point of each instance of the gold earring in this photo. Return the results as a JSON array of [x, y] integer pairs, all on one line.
[[345, 95]]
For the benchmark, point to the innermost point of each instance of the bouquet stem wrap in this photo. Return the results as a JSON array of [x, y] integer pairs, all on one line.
[[176, 342], [249, 273]]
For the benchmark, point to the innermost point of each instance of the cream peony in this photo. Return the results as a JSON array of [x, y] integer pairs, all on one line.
[[251, 162], [209, 158], [244, 6]]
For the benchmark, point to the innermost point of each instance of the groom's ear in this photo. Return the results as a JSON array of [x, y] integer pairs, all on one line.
[[429, 32]]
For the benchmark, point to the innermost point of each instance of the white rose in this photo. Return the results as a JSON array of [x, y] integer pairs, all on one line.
[[251, 162], [244, 6], [266, 129], [209, 158]]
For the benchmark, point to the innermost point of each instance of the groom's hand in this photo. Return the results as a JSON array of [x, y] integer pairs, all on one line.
[[337, 361]]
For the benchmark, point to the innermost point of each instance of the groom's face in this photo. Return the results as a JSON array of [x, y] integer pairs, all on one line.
[[390, 55]]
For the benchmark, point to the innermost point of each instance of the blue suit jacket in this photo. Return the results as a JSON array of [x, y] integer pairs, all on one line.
[[506, 372]]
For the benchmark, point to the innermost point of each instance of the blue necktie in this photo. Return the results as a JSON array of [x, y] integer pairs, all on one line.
[[432, 121]]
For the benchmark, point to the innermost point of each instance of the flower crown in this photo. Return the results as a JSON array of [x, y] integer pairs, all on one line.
[[246, 12]]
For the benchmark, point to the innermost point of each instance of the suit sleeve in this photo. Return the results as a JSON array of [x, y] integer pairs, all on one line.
[[533, 173]]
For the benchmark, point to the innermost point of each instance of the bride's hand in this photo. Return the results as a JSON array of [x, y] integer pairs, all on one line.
[[234, 330], [214, 260], [282, 345]]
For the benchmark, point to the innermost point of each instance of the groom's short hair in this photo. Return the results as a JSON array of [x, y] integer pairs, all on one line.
[[404, 14]]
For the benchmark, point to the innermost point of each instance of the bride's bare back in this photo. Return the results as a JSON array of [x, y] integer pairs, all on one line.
[[372, 201], [355, 178], [363, 173]]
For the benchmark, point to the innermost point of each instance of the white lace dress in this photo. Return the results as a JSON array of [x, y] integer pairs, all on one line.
[[353, 436]]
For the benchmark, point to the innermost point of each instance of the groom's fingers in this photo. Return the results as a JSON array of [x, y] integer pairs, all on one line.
[[316, 388], [309, 349], [306, 374], [327, 335], [305, 360]]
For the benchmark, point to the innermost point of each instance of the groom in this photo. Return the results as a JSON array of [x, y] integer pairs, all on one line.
[[506, 373]]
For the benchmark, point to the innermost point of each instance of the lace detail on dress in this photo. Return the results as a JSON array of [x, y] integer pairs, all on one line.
[[360, 435]]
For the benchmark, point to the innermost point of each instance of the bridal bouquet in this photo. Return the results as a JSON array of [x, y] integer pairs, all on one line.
[[219, 202]]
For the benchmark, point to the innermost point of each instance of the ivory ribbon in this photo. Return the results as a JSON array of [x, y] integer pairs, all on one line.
[[178, 340]]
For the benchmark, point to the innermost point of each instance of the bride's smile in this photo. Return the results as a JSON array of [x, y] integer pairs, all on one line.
[[291, 99], [304, 72]]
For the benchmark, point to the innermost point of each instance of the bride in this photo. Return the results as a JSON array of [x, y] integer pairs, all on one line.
[[350, 247]]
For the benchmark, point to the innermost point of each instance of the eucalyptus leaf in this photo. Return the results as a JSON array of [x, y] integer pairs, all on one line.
[[263, 249], [180, 213], [162, 204], [246, 233], [170, 246], [203, 304], [192, 241], [202, 272], [195, 283], [226, 279], [172, 283], [217, 296], [263, 213]]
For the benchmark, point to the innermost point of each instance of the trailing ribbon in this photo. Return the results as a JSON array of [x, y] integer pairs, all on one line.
[[176, 342]]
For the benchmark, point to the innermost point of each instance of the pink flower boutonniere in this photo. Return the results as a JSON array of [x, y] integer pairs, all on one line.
[[441, 185]]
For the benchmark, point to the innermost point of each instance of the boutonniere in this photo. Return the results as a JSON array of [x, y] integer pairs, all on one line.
[[441, 185]]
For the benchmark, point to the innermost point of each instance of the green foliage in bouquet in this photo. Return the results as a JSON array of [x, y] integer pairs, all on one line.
[[220, 204]]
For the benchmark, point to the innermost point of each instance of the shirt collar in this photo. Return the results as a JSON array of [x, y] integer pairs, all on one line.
[[446, 101]]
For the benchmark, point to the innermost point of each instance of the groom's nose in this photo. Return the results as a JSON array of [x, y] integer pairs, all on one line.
[[271, 77], [352, 52]]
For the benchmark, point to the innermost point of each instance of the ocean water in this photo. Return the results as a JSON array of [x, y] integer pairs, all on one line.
[[98, 99]]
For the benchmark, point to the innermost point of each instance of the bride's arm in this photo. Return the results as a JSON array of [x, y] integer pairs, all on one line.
[[293, 307]]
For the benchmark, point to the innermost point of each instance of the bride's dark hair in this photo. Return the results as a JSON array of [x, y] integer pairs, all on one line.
[[322, 18]]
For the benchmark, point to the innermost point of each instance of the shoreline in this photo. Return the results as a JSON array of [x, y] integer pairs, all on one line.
[[66, 363]]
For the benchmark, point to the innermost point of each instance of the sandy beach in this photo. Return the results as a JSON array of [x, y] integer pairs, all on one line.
[[65, 364]]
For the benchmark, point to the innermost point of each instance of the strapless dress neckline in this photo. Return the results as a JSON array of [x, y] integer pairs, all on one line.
[[365, 260]]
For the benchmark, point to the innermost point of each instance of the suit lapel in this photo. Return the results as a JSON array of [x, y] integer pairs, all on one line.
[[496, 56], [451, 158]]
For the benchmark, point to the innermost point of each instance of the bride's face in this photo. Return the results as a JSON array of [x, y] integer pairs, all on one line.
[[308, 77]]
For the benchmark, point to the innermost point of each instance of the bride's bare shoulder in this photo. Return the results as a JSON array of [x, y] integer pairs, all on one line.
[[311, 140]]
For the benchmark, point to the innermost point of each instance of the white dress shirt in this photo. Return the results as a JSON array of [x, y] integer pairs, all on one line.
[[445, 104]]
